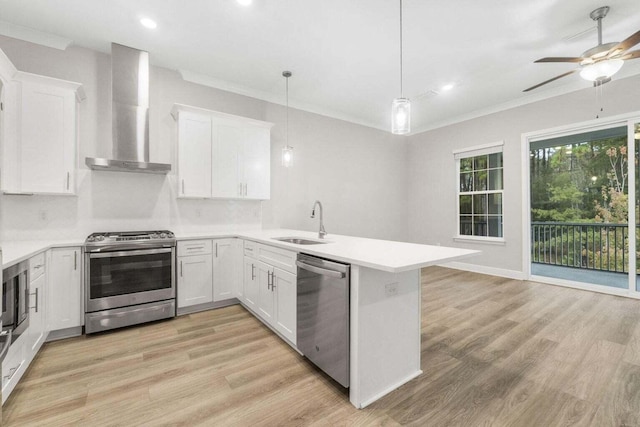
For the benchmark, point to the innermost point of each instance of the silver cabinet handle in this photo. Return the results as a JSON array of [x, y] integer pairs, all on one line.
[[268, 280], [216, 249], [68, 178], [75, 260], [38, 267], [253, 272], [180, 268], [36, 295], [192, 248], [183, 187], [273, 280], [245, 188]]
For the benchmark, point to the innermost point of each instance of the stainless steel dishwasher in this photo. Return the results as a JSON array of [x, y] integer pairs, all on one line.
[[323, 315]]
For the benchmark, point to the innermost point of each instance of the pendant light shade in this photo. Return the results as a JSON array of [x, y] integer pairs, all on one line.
[[401, 107], [401, 116], [287, 151]]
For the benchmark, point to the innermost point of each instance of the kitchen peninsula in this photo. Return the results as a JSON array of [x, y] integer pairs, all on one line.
[[384, 302]]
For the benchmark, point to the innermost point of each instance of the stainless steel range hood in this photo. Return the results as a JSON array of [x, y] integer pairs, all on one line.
[[130, 120]]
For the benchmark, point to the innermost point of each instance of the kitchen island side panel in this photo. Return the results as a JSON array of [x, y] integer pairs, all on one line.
[[385, 332]]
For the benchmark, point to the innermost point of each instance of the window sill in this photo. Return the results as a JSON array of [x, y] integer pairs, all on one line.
[[484, 240]]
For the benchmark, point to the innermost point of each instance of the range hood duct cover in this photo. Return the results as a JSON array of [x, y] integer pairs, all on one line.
[[130, 114]]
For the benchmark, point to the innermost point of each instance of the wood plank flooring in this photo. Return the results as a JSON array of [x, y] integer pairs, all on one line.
[[495, 352]]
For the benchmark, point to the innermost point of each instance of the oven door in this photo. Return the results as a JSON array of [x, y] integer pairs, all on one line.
[[128, 277]]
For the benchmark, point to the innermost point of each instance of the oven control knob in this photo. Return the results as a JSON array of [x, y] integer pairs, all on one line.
[[170, 234], [91, 239], [163, 235], [100, 238], [154, 235]]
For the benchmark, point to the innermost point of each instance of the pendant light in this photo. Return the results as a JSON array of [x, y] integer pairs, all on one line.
[[287, 151], [401, 107]]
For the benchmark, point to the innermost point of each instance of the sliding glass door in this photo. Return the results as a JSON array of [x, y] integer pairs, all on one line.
[[580, 199]]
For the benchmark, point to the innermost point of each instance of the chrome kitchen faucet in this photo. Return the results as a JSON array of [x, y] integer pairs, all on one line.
[[321, 231]]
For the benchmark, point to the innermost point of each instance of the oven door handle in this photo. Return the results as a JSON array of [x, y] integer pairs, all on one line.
[[127, 247], [130, 253]]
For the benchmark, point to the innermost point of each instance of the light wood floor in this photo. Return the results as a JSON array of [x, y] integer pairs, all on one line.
[[495, 352]]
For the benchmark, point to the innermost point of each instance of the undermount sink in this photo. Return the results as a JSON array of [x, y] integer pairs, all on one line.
[[298, 240]]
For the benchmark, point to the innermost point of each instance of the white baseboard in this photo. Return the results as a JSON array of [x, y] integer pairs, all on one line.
[[492, 271]]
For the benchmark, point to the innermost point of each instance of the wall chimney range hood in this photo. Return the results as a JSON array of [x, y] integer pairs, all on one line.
[[130, 114]]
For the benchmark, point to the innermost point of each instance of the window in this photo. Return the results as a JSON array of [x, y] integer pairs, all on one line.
[[480, 189]]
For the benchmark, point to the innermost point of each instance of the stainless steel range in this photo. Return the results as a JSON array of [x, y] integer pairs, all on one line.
[[129, 277]]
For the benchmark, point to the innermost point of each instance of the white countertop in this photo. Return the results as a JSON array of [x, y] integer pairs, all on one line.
[[15, 252], [383, 255]]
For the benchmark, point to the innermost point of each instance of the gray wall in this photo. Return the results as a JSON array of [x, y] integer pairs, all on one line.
[[432, 174]]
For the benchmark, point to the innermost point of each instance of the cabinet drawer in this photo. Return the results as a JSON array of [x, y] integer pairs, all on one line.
[[13, 366], [36, 266], [194, 247], [250, 248], [280, 258]]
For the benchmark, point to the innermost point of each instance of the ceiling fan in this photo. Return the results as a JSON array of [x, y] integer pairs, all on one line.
[[599, 63]]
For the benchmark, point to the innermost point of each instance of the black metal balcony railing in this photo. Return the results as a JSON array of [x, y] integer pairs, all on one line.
[[593, 246]]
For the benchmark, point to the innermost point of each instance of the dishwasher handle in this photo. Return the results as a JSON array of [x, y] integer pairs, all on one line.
[[319, 270]]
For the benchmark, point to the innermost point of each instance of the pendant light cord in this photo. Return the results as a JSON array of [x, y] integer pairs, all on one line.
[[401, 93], [287, 111]]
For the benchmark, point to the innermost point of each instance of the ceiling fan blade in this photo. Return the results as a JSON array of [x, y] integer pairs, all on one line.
[[560, 59], [626, 44], [631, 55], [550, 80]]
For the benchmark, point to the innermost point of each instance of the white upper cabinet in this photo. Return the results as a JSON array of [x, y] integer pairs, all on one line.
[[224, 156], [40, 156], [194, 155]]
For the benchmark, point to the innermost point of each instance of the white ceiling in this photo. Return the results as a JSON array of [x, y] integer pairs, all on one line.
[[344, 55]]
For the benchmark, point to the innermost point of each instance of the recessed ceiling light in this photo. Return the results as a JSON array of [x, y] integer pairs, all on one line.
[[244, 2], [447, 87], [148, 23]]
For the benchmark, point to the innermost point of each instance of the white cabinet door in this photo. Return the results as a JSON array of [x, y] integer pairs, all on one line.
[[257, 163], [47, 139], [250, 282], [64, 301], [266, 296], [227, 158], [286, 300], [14, 366], [195, 280], [37, 316], [194, 155], [225, 266], [238, 290]]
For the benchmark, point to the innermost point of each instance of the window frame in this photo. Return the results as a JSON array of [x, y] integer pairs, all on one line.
[[470, 152]]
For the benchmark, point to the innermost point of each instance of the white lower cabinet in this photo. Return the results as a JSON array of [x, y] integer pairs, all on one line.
[[195, 280], [225, 268], [37, 314], [286, 303], [64, 299], [208, 271], [250, 288], [266, 297], [271, 292], [14, 366]]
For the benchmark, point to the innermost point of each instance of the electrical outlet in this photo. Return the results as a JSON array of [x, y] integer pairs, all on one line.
[[391, 289]]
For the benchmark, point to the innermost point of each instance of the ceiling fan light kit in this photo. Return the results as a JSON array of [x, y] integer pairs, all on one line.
[[602, 70], [599, 63]]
